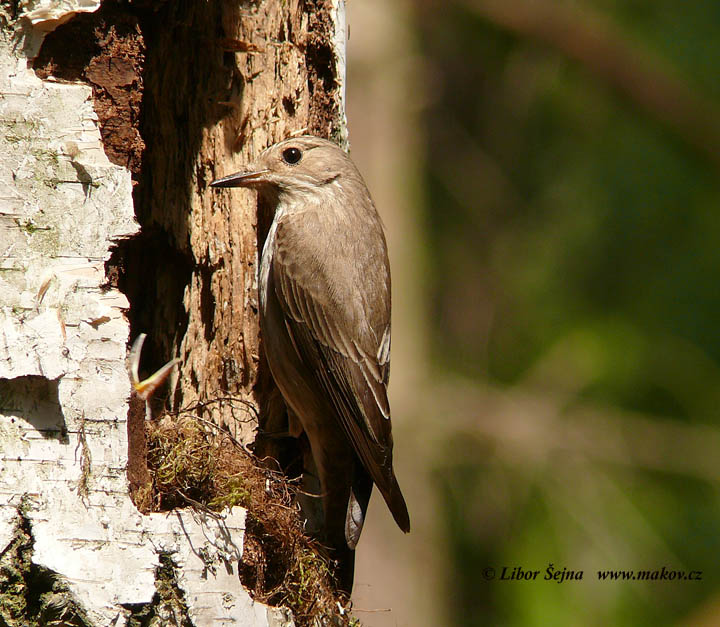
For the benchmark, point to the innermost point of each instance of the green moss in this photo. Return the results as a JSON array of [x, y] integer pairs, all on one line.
[[15, 564], [31, 596], [168, 606], [301, 584], [235, 494]]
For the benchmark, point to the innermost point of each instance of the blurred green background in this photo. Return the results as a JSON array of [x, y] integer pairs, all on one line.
[[549, 174]]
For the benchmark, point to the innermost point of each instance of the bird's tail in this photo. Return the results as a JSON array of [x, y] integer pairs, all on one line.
[[345, 569], [357, 505], [396, 503], [362, 485], [390, 489]]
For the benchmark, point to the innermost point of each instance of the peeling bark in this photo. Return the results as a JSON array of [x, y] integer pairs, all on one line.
[[107, 229]]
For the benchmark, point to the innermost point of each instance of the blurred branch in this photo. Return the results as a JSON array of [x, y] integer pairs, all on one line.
[[587, 38], [528, 428]]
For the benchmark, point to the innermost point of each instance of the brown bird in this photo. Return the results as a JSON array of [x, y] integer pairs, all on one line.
[[325, 319]]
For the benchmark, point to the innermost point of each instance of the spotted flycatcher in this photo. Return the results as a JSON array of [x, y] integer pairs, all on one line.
[[325, 319]]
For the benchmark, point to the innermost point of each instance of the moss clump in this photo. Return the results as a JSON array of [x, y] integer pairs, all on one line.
[[193, 462], [15, 564], [31, 596], [168, 606]]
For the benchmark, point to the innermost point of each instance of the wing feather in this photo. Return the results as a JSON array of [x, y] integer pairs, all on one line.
[[328, 325]]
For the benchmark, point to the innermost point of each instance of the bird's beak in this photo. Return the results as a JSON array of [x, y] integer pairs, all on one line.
[[242, 179]]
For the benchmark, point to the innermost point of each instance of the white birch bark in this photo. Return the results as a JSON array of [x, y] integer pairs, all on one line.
[[64, 387]]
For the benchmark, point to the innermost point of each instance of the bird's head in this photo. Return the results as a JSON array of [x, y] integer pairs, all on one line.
[[300, 165]]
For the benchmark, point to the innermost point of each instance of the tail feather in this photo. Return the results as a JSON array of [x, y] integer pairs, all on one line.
[[343, 528], [345, 569], [396, 503]]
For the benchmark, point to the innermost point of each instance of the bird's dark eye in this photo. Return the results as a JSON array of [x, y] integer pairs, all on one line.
[[291, 156]]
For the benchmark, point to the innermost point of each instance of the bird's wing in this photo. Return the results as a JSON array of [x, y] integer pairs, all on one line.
[[329, 317]]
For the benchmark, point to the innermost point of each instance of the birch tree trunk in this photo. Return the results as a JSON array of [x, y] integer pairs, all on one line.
[[114, 118]]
